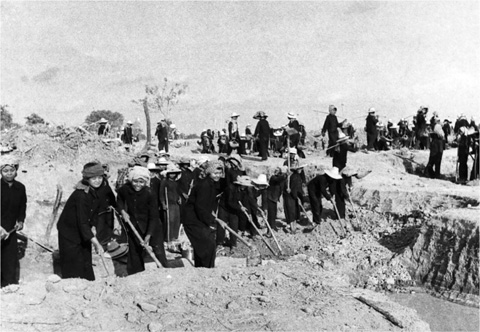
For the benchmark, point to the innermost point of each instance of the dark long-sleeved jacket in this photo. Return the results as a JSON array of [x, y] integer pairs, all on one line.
[[185, 181], [262, 130], [14, 204], [140, 206], [230, 198], [330, 125], [318, 185], [79, 214], [162, 133], [201, 203], [276, 186], [128, 135], [296, 189], [371, 125], [172, 192]]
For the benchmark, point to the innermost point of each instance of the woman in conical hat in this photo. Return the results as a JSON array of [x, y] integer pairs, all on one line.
[[338, 189]]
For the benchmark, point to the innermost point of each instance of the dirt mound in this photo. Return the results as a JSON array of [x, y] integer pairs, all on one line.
[[293, 296], [317, 282]]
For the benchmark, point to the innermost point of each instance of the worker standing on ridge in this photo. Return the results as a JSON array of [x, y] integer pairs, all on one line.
[[330, 125]]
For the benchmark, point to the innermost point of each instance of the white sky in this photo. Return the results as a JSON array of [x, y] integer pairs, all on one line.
[[64, 59]]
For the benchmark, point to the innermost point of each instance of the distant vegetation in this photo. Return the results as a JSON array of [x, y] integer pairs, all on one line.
[[6, 119], [114, 118], [34, 119]]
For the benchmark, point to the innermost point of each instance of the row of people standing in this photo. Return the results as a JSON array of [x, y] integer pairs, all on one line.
[[232, 141]]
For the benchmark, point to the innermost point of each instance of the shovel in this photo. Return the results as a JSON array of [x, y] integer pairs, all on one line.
[[142, 243], [23, 235], [253, 224], [339, 218], [253, 258], [305, 211], [353, 208], [271, 232], [168, 215]]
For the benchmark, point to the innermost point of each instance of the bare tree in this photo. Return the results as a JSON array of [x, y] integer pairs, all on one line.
[[160, 99]]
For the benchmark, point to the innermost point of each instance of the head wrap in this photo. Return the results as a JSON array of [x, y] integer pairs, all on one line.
[[92, 169], [9, 160], [139, 172], [212, 166]]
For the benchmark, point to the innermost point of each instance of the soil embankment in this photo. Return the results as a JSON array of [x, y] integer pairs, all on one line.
[[404, 227]]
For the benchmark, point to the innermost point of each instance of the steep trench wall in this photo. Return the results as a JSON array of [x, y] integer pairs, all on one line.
[[444, 257]]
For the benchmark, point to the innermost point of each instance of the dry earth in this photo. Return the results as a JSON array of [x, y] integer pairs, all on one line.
[[322, 282]]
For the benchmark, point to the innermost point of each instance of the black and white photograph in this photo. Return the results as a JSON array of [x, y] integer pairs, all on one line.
[[239, 166]]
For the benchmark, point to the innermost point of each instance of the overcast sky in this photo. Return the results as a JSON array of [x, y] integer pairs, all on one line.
[[64, 59]]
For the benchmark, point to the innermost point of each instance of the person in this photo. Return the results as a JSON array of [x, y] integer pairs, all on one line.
[[170, 201], [294, 127], [461, 122], [371, 129], [462, 154], [316, 188], [234, 139], [222, 142], [474, 138], [340, 151], [128, 133], [447, 130], [75, 236], [204, 141], [102, 127], [383, 140], [330, 125], [402, 127], [292, 193], [229, 211], [158, 236], [162, 135], [14, 206], [211, 137], [421, 132], [234, 168], [347, 128], [338, 189], [105, 227], [248, 136], [199, 222], [437, 145], [137, 206], [262, 135], [274, 191]]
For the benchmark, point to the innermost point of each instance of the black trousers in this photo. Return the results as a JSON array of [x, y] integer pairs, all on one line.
[[315, 205], [291, 208], [433, 166], [232, 221], [163, 146], [340, 204], [202, 239], [263, 148], [272, 214], [135, 261], [371, 141], [10, 262], [75, 259], [156, 242], [462, 163]]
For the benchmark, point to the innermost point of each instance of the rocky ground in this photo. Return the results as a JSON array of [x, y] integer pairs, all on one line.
[[405, 227]]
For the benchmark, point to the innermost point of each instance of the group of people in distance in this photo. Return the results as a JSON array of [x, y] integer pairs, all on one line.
[[419, 133], [260, 141]]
